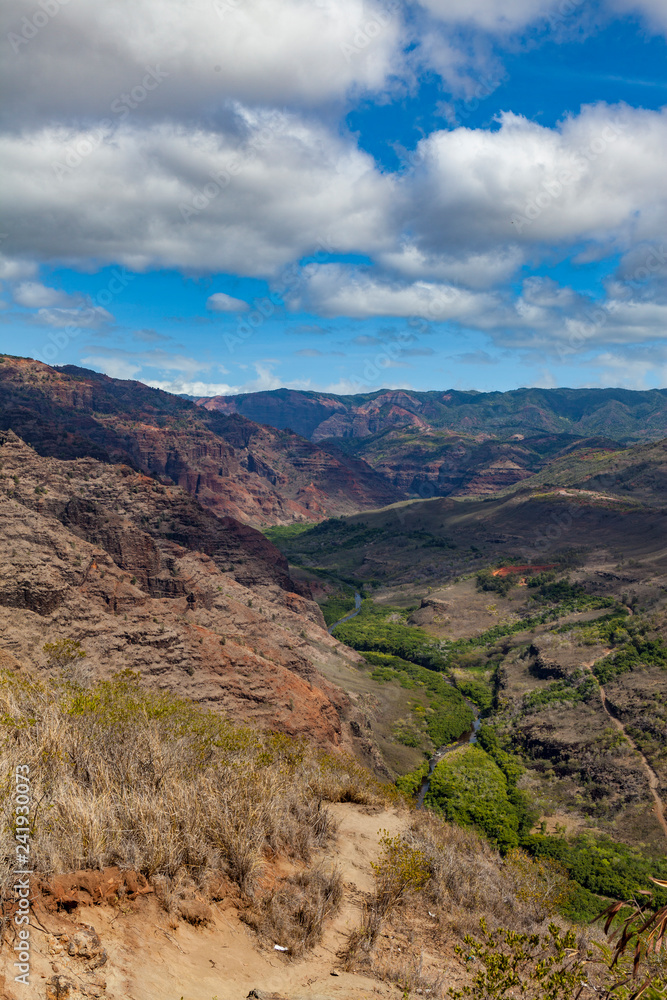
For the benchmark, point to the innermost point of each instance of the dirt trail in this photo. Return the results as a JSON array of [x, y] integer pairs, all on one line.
[[151, 956], [653, 780]]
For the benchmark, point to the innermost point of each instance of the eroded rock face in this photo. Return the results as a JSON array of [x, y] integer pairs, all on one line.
[[432, 611], [233, 466], [146, 578]]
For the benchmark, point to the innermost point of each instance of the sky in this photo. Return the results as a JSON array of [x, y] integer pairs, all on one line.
[[224, 196]]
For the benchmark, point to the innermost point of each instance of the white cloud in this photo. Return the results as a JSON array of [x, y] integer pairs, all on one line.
[[221, 302], [155, 358], [90, 55], [34, 295], [475, 270], [598, 176], [338, 290], [186, 387], [654, 12], [90, 318], [16, 270], [200, 200], [114, 367], [265, 379], [491, 15]]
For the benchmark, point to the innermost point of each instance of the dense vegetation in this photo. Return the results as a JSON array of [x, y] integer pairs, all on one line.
[[383, 629], [448, 716], [637, 650], [468, 788], [337, 605]]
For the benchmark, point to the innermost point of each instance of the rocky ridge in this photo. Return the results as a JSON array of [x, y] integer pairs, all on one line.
[[233, 466], [145, 578]]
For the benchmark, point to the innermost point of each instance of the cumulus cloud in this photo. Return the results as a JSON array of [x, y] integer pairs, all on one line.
[[89, 58], [265, 379], [221, 302], [201, 200], [339, 290], [597, 176], [33, 295], [475, 270]]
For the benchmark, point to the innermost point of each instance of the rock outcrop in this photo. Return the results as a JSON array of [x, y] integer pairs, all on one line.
[[144, 577]]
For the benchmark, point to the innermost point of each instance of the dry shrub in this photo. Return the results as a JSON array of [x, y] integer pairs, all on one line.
[[468, 877], [542, 884], [403, 868], [293, 915], [408, 971], [432, 888], [124, 776]]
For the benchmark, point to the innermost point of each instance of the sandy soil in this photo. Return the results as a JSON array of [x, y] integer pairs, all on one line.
[[153, 957]]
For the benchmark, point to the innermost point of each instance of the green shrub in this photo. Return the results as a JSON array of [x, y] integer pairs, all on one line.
[[468, 788]]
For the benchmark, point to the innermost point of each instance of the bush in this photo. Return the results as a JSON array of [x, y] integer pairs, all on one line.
[[468, 787], [152, 782], [502, 585]]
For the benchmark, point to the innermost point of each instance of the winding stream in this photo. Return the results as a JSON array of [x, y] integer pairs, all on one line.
[[351, 614], [441, 752]]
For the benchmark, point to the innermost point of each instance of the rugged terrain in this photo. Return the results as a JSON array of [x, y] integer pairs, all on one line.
[[145, 578], [459, 443], [233, 466]]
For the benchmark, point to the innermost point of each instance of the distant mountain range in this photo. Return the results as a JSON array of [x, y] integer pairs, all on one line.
[[233, 466], [458, 443]]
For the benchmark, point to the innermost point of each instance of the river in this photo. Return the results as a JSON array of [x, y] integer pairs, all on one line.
[[351, 614], [441, 752]]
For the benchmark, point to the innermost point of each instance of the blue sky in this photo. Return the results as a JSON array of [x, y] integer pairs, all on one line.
[[233, 195]]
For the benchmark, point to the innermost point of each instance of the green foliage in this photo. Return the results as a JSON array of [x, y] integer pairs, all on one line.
[[498, 584], [638, 650], [383, 629], [568, 597], [599, 864], [469, 788], [548, 966], [400, 868], [411, 782], [478, 691], [63, 653], [337, 605], [581, 688], [448, 716], [280, 534]]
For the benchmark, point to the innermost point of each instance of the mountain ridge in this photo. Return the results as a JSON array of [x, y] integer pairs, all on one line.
[[453, 443]]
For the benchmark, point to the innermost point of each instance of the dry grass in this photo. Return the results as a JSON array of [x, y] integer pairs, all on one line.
[[407, 937], [124, 776], [294, 913]]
